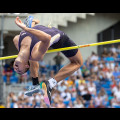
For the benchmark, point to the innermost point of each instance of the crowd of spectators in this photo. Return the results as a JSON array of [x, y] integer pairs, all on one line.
[[95, 85]]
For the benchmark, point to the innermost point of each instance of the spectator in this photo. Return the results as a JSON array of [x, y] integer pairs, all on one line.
[[91, 87], [98, 100], [103, 93], [116, 73], [55, 98], [100, 64], [53, 105], [101, 76], [118, 59], [95, 66], [78, 104], [91, 105], [43, 77], [115, 56], [43, 105], [113, 85], [16, 105], [78, 81], [20, 93], [94, 77], [81, 87], [38, 98], [27, 104], [109, 57], [30, 99], [74, 95], [66, 96], [86, 95], [100, 106], [8, 73], [85, 71], [11, 99], [93, 57], [106, 102], [21, 97], [105, 69], [113, 49], [52, 73], [77, 73], [109, 74], [104, 53], [114, 102], [34, 104], [110, 65], [118, 49], [117, 94], [60, 104], [62, 87], [58, 61], [70, 81], [11, 65], [42, 66], [70, 105]]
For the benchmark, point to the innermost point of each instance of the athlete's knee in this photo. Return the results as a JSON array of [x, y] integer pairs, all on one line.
[[77, 63], [81, 62], [78, 59]]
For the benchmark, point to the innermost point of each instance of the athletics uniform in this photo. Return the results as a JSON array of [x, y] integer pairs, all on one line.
[[63, 41]]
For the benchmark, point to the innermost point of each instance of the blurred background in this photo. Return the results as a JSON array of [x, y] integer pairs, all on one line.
[[95, 85]]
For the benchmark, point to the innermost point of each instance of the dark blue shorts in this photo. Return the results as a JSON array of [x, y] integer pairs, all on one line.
[[65, 41]]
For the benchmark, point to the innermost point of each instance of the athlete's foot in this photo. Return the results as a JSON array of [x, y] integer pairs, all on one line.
[[34, 89], [47, 92]]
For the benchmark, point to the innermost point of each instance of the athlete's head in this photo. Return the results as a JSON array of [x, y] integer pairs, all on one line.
[[21, 67]]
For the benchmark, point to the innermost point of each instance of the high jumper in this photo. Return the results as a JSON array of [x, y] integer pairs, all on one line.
[[33, 43]]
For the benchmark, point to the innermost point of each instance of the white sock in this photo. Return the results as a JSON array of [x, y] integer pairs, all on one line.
[[52, 82]]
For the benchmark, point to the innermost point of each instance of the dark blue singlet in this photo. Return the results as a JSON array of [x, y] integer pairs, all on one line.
[[51, 31], [64, 41]]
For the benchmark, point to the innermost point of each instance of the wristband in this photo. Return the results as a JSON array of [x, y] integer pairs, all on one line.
[[35, 81]]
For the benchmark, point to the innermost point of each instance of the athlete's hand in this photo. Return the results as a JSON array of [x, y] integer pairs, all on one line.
[[20, 23]]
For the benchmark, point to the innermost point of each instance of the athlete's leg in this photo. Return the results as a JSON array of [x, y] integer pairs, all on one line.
[[75, 63]]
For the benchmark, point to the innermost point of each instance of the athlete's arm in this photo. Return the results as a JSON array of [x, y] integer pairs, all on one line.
[[15, 41], [42, 36], [34, 73], [34, 68]]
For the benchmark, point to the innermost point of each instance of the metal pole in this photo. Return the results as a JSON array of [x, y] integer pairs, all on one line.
[[1, 54], [2, 26]]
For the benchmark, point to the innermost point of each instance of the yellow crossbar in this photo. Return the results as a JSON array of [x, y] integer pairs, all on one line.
[[69, 48]]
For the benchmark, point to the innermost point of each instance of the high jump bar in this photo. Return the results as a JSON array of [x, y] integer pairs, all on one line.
[[69, 48]]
